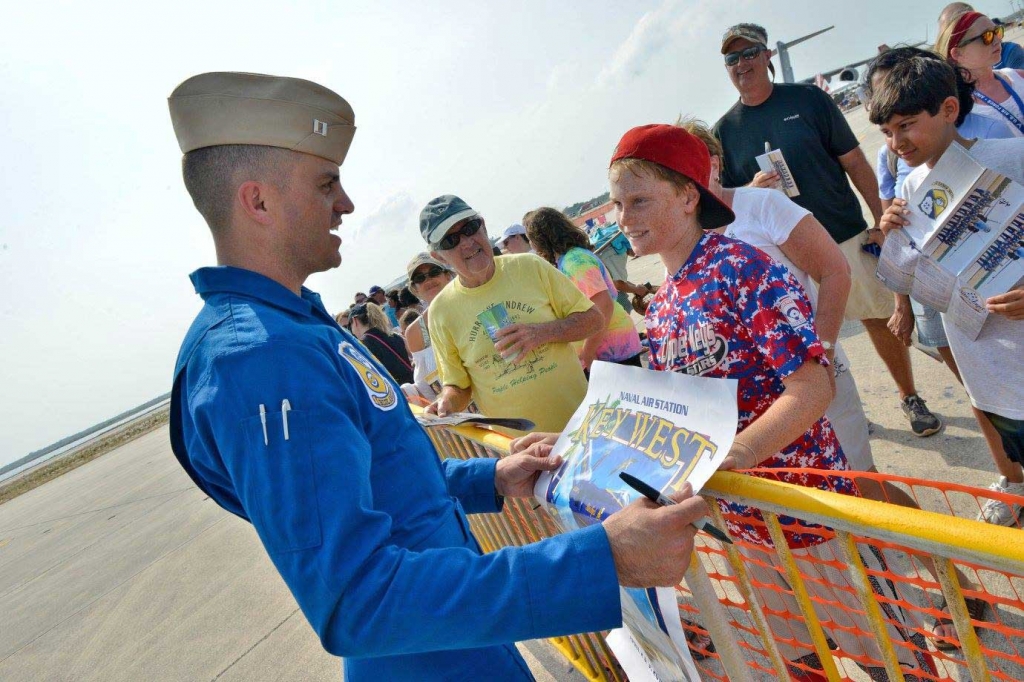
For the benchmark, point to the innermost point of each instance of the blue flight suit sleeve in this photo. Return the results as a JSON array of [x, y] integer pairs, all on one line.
[[472, 482], [310, 499]]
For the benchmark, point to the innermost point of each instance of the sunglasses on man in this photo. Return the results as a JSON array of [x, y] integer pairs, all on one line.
[[450, 241], [421, 276], [986, 38], [747, 54]]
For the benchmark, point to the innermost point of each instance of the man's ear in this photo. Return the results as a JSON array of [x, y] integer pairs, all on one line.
[[252, 197], [436, 255]]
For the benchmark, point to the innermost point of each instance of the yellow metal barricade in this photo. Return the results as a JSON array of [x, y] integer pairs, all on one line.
[[862, 598]]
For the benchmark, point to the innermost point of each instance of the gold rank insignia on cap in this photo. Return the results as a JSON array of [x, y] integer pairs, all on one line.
[[221, 108]]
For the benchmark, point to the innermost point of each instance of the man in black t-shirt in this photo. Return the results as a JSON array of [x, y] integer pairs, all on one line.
[[821, 151]]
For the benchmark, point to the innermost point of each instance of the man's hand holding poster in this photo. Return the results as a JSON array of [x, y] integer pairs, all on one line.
[[665, 429]]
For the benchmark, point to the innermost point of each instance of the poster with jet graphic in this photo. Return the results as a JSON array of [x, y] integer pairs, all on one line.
[[666, 429], [964, 241]]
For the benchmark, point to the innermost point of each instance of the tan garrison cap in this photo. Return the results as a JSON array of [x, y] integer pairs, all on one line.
[[249, 108]]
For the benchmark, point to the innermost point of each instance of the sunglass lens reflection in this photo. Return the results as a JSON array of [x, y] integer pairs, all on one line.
[[733, 58], [452, 240]]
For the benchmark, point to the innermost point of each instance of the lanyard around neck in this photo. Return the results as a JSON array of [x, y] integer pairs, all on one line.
[[1007, 114]]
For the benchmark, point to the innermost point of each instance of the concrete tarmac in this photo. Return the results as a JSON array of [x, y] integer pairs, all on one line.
[[123, 570]]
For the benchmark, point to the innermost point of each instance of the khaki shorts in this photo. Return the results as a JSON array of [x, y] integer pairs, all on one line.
[[869, 299]]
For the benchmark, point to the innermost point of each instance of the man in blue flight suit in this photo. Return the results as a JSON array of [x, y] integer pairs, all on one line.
[[283, 418]]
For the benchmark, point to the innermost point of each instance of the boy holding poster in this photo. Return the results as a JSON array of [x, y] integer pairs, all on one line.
[[727, 310], [915, 106]]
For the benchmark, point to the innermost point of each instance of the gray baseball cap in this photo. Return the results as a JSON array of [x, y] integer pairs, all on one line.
[[440, 214]]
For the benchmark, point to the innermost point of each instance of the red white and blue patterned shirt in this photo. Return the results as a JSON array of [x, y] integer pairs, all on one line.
[[733, 312]]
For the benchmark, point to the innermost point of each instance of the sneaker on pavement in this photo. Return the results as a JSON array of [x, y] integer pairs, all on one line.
[[1000, 513], [922, 421]]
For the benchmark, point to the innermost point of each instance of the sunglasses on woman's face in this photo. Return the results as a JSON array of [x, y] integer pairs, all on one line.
[[450, 241], [747, 54], [421, 276], [987, 38]]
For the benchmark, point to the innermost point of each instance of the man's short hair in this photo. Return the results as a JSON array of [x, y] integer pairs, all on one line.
[[213, 174], [912, 86]]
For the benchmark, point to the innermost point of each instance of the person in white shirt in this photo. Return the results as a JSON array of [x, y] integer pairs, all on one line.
[[916, 107], [790, 234], [514, 240], [427, 277]]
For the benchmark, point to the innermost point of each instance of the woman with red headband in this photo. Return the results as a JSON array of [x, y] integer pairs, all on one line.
[[973, 41]]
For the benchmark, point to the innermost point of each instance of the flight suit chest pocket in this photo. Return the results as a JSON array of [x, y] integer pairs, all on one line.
[[280, 487]]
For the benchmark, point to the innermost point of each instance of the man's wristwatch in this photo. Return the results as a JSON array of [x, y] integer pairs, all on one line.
[[828, 345]]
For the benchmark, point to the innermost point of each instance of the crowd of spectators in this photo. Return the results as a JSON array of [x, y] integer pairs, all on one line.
[[515, 334], [756, 287]]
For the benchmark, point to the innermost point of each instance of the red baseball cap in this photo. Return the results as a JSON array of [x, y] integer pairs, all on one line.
[[678, 150]]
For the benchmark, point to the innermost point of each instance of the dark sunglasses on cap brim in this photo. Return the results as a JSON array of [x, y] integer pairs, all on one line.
[[421, 276], [987, 38], [733, 58], [452, 239]]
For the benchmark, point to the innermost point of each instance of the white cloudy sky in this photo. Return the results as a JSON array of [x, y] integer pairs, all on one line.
[[510, 105]]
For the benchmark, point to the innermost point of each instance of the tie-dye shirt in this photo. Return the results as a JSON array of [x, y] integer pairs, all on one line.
[[731, 311], [588, 273]]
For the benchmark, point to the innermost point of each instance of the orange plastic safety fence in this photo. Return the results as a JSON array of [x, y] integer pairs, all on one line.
[[875, 598], [905, 586]]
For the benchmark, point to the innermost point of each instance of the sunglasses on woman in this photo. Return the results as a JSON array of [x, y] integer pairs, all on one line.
[[987, 37], [450, 241], [747, 54], [422, 276]]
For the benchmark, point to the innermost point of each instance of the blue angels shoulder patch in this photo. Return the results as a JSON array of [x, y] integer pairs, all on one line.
[[382, 393]]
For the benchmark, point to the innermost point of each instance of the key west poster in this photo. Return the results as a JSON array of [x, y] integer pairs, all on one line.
[[666, 429]]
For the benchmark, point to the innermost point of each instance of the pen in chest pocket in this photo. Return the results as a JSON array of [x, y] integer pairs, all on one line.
[[263, 421], [285, 407]]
